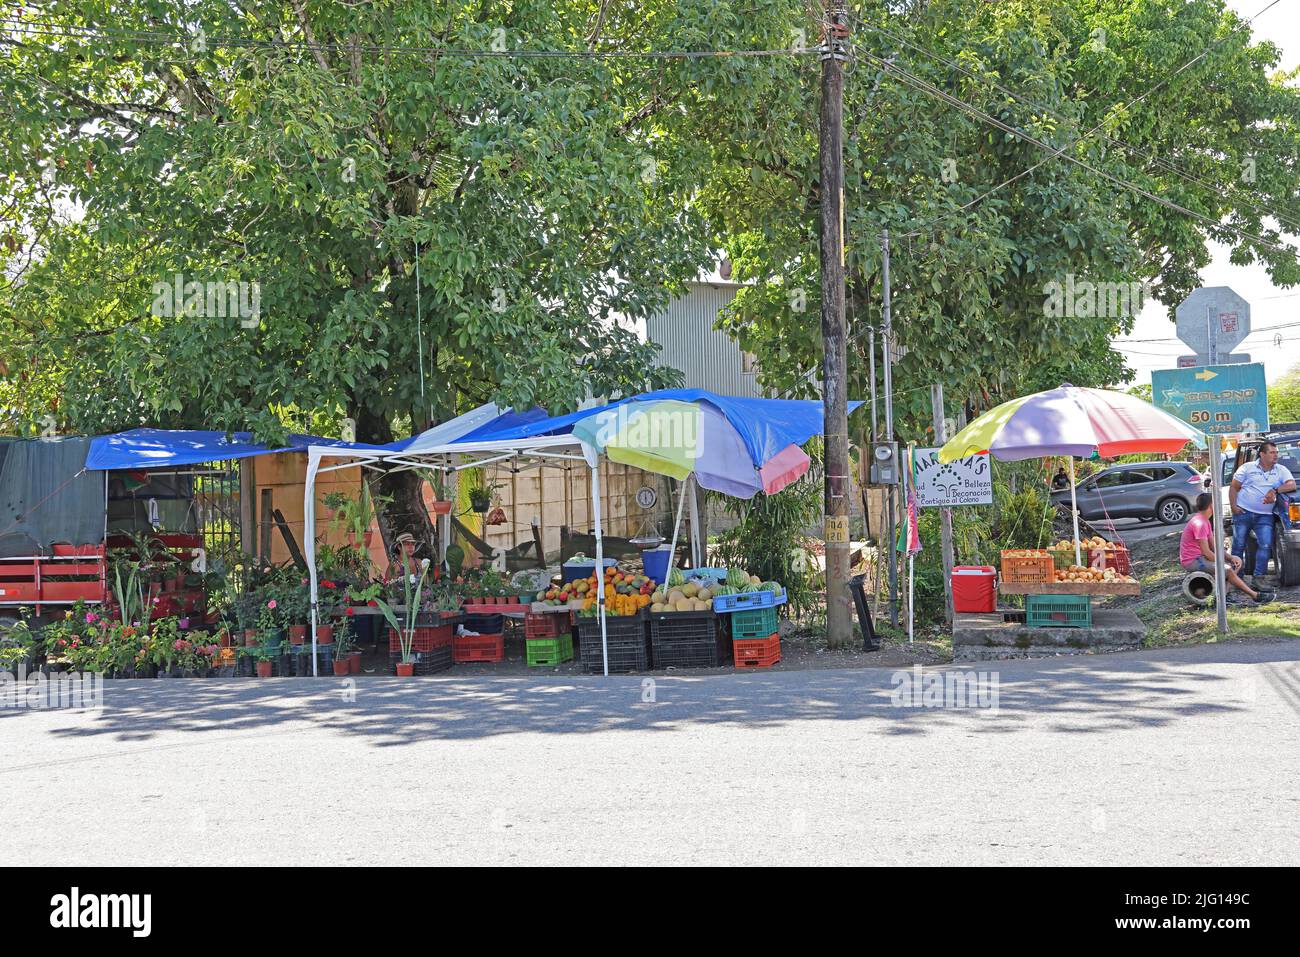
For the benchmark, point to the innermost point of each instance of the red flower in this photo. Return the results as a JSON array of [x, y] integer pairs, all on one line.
[[351, 610]]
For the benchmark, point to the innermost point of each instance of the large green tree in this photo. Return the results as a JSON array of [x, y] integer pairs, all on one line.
[[972, 259], [427, 229]]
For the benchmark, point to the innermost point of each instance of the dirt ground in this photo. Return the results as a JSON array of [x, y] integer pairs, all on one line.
[[1174, 620]]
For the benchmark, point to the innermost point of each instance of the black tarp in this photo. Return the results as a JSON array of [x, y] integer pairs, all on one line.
[[46, 497]]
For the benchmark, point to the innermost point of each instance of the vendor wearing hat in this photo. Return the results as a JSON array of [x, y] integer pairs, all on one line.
[[404, 561]]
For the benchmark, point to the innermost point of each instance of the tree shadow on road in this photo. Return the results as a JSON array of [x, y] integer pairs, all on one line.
[[1080, 696]]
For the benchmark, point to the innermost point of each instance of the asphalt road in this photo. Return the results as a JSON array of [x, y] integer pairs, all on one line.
[[1182, 756], [1132, 530]]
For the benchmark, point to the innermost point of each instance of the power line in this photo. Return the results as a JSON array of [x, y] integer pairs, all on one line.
[[929, 88], [38, 28], [1150, 155], [1253, 332]]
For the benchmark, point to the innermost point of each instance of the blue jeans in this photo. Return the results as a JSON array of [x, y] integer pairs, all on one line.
[[1262, 526]]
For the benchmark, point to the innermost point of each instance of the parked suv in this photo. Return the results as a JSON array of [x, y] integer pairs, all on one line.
[[1286, 542], [1146, 490]]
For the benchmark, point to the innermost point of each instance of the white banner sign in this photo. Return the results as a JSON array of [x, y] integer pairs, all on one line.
[[967, 481]]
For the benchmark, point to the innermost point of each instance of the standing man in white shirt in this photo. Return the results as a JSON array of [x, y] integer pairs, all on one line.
[[1252, 495]]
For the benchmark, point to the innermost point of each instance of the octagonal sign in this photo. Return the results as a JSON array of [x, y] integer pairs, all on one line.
[[1213, 310]]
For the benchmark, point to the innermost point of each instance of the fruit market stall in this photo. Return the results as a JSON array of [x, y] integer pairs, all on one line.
[[738, 446], [1059, 585]]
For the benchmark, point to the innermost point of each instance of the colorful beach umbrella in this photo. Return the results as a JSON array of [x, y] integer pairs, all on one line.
[[1071, 421], [681, 438]]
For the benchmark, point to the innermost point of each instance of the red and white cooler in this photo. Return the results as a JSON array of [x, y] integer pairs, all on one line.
[[974, 589]]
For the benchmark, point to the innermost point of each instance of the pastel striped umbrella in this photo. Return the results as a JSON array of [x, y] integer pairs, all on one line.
[[1071, 421], [680, 438]]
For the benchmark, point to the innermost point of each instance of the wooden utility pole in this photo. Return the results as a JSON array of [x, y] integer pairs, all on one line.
[[834, 51], [945, 514]]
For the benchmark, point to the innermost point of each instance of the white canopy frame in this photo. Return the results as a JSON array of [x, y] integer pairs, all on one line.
[[533, 452]]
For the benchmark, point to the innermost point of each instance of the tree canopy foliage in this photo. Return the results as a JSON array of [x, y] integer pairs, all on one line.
[[428, 230], [971, 259]]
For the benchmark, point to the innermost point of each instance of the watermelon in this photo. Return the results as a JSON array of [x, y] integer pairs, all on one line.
[[749, 587], [675, 578], [736, 577], [774, 587], [723, 590]]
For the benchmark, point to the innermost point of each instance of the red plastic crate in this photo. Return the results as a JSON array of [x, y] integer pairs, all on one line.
[[467, 648], [546, 624], [757, 652], [1115, 556], [426, 639]]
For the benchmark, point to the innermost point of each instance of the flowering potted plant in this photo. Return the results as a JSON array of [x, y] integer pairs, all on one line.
[[295, 608], [413, 591], [268, 627]]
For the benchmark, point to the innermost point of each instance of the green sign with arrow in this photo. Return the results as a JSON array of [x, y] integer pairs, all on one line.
[[1218, 400]]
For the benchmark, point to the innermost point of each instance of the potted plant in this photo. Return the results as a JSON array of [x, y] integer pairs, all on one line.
[[295, 607], [264, 660], [441, 504], [343, 648], [413, 592], [354, 516], [268, 627]]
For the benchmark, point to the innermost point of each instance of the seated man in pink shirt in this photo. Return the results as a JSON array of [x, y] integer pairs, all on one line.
[[1196, 555]]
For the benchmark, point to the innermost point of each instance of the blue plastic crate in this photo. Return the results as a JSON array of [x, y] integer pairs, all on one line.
[[747, 601]]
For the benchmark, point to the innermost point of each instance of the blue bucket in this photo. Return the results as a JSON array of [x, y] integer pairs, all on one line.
[[656, 562], [572, 573]]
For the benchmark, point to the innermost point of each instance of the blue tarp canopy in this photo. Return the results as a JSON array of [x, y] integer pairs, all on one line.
[[165, 448], [766, 425]]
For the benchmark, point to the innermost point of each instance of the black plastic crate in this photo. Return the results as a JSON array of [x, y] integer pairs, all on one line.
[[628, 643], [669, 626], [617, 627], [623, 657], [426, 662], [686, 653], [686, 639]]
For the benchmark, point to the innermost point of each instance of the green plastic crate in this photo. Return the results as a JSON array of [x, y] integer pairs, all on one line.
[[756, 623], [542, 652], [1058, 611]]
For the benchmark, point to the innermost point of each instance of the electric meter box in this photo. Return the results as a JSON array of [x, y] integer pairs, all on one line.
[[884, 463]]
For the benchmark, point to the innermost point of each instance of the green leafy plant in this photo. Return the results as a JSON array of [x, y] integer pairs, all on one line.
[[412, 593], [770, 537], [354, 515]]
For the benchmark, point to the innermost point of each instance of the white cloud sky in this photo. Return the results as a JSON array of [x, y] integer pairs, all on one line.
[[1269, 304]]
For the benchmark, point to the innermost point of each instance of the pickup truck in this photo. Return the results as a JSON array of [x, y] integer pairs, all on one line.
[[1286, 542]]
